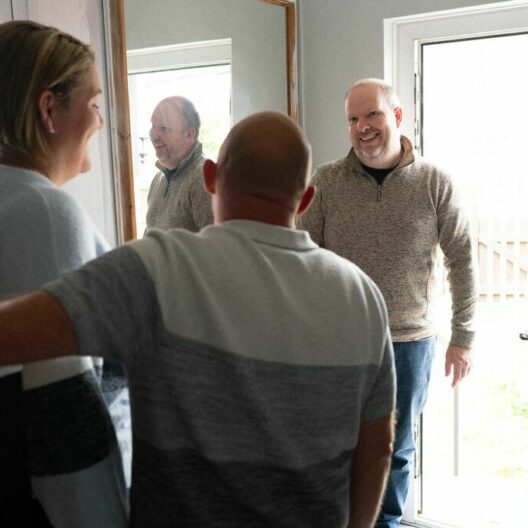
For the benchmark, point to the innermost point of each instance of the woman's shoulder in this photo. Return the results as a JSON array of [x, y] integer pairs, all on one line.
[[50, 211], [34, 193]]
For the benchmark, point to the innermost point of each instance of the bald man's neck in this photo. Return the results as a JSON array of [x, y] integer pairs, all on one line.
[[254, 208]]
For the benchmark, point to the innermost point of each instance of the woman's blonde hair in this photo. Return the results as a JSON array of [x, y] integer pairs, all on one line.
[[34, 58]]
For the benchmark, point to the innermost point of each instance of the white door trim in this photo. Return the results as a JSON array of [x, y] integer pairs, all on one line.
[[403, 36], [188, 55]]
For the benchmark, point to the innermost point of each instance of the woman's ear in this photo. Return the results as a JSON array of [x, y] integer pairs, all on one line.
[[209, 176], [46, 103]]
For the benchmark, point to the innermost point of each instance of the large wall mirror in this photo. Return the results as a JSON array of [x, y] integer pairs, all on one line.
[[231, 57]]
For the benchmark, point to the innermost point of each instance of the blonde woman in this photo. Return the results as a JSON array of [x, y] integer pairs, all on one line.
[[59, 459]]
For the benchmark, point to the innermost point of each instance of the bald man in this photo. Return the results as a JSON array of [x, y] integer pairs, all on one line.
[[260, 366], [177, 197]]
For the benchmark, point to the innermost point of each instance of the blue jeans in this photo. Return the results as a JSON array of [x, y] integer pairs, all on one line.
[[413, 361]]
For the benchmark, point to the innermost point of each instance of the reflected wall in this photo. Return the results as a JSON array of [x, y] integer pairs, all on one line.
[[257, 31]]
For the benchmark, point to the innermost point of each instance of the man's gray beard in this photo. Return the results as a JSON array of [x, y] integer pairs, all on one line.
[[373, 155]]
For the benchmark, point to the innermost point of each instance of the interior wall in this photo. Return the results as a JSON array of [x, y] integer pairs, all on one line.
[[341, 42], [6, 12], [257, 30]]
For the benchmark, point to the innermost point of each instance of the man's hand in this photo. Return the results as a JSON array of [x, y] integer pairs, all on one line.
[[459, 360]]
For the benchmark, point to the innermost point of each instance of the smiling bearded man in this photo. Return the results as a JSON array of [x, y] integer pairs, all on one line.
[[388, 211]]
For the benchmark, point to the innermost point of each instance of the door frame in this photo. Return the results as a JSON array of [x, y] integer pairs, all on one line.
[[403, 38]]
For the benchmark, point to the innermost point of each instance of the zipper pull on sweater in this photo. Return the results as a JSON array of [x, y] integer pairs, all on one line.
[[378, 199]]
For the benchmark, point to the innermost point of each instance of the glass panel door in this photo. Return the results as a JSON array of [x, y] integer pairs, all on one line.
[[474, 121]]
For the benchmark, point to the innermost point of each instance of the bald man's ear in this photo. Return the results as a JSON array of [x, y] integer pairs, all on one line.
[[306, 200], [209, 176]]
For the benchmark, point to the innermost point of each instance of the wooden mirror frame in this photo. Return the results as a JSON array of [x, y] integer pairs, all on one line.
[[120, 108]]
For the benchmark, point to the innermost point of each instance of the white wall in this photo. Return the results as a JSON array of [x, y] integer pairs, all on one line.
[[257, 31], [6, 13], [341, 41], [83, 19]]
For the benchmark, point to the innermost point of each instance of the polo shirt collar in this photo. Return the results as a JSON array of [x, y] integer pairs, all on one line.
[[273, 235]]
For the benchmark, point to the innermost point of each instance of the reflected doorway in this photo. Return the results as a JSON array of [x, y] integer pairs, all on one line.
[[473, 119], [207, 86]]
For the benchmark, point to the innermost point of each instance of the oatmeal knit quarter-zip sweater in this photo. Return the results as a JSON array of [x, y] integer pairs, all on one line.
[[393, 231], [178, 198]]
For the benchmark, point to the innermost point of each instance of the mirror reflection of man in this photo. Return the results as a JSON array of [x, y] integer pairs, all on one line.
[[177, 197]]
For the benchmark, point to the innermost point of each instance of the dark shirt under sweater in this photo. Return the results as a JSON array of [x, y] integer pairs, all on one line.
[[378, 174]]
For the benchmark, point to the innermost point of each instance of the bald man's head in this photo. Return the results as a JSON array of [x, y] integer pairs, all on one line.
[[266, 155], [262, 171]]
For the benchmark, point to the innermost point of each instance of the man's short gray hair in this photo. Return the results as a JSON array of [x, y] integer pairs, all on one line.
[[186, 109], [190, 114], [388, 91]]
